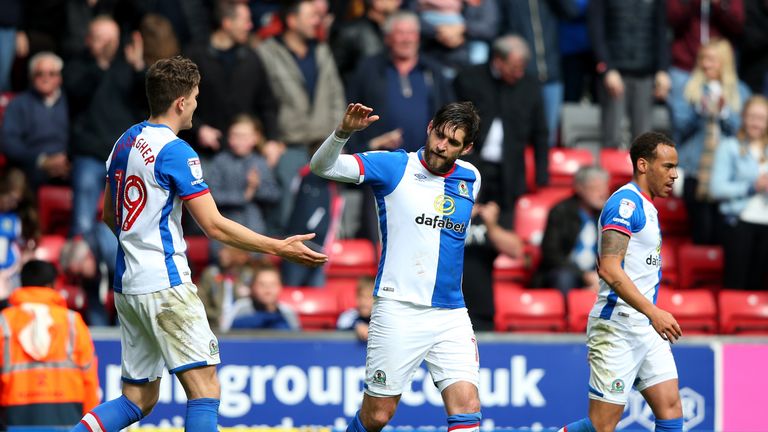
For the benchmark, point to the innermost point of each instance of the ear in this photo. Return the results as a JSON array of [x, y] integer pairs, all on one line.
[[179, 104], [429, 128], [467, 148], [642, 165]]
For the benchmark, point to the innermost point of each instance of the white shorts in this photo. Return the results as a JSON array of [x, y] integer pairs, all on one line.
[[623, 354], [164, 328], [402, 335]]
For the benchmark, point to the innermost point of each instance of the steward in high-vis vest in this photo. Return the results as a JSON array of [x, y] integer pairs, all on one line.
[[47, 362]]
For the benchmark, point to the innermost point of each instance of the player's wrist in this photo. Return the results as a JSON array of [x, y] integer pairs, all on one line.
[[342, 134]]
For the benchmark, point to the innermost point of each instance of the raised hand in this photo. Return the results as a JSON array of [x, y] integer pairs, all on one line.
[[357, 117]]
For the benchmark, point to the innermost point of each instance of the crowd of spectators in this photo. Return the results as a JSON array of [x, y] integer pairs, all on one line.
[[276, 76]]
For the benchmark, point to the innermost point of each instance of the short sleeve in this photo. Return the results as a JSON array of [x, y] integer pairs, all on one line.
[[382, 168], [179, 169], [623, 212]]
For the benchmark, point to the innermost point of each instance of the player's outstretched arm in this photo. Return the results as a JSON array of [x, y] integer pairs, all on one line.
[[217, 227], [613, 248], [327, 162]]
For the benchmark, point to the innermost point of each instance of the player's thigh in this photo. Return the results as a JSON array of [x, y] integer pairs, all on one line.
[[200, 382], [454, 358], [657, 378], [141, 357], [398, 340], [664, 400], [178, 318], [615, 356], [604, 415]]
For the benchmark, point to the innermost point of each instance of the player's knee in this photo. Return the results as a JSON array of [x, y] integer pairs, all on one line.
[[147, 403], [377, 418], [672, 409]]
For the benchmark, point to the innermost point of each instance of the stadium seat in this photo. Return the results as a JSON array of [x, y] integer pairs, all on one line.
[[530, 169], [198, 253], [669, 266], [345, 290], [699, 265], [54, 203], [743, 312], [74, 295], [532, 210], [318, 308], [564, 162], [673, 217], [580, 125], [618, 165], [695, 310], [580, 302], [534, 310], [49, 248], [351, 258]]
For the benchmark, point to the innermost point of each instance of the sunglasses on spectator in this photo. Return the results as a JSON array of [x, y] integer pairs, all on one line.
[[48, 73]]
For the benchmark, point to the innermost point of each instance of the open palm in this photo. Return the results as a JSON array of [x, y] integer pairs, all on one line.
[[357, 117]]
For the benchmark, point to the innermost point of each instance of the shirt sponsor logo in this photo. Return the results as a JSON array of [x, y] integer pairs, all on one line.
[[653, 260], [445, 205], [440, 222], [626, 208]]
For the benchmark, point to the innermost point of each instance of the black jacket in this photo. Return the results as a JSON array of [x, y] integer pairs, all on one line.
[[560, 235], [354, 41], [521, 111]]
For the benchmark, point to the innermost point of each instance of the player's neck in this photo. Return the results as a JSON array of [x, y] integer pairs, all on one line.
[[167, 121], [642, 184]]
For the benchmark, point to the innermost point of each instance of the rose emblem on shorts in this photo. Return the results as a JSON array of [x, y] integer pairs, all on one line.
[[379, 377], [617, 386]]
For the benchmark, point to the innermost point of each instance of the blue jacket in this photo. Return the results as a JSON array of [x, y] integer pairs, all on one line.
[[734, 173]]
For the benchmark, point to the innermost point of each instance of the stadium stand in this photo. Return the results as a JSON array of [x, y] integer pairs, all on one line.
[[579, 304], [695, 310], [699, 265], [539, 310], [318, 309], [54, 204], [743, 312]]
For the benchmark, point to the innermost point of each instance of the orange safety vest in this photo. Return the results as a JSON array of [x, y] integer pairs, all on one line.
[[48, 373]]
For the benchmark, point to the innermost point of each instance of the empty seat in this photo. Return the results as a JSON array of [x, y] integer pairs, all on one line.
[[669, 266], [351, 258], [673, 217], [198, 253], [54, 204], [699, 265], [743, 312], [345, 290], [532, 210], [49, 248], [318, 308], [695, 310], [618, 164], [564, 162], [538, 310], [580, 302]]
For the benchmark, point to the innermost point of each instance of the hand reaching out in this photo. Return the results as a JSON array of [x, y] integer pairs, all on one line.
[[357, 117], [293, 249]]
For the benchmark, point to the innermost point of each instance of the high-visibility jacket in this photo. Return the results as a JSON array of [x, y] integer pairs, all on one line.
[[48, 373]]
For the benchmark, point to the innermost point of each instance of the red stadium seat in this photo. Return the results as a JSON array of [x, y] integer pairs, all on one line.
[[318, 308], [743, 312], [49, 248], [532, 210], [345, 290], [351, 258], [198, 253], [673, 217], [530, 169], [54, 203], [564, 162], [580, 302], [669, 266], [695, 310], [700, 265], [74, 295], [618, 165], [539, 310]]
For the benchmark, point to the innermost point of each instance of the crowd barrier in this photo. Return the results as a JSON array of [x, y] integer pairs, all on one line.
[[283, 380]]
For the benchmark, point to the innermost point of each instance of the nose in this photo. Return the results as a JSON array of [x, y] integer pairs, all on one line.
[[673, 173]]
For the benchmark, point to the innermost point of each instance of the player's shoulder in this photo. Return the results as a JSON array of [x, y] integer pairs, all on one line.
[[467, 169], [384, 156], [627, 193]]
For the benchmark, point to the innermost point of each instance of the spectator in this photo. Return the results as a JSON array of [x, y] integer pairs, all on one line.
[[630, 44], [358, 318], [577, 60], [81, 266], [753, 49], [695, 23], [511, 108], [233, 79], [101, 88], [537, 23], [14, 234], [740, 180], [705, 108], [485, 240], [263, 309], [362, 37], [36, 126], [158, 40], [11, 23], [307, 86], [569, 245], [42, 335], [223, 283], [240, 178]]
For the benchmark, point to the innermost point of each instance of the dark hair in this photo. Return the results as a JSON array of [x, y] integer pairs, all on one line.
[[458, 115], [644, 147], [290, 7], [224, 9], [159, 38], [169, 79], [38, 273]]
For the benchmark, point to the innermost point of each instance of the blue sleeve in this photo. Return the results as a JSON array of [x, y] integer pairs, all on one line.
[[623, 212], [178, 169], [382, 169]]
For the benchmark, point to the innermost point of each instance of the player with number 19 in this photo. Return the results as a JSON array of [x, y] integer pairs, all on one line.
[[151, 173]]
